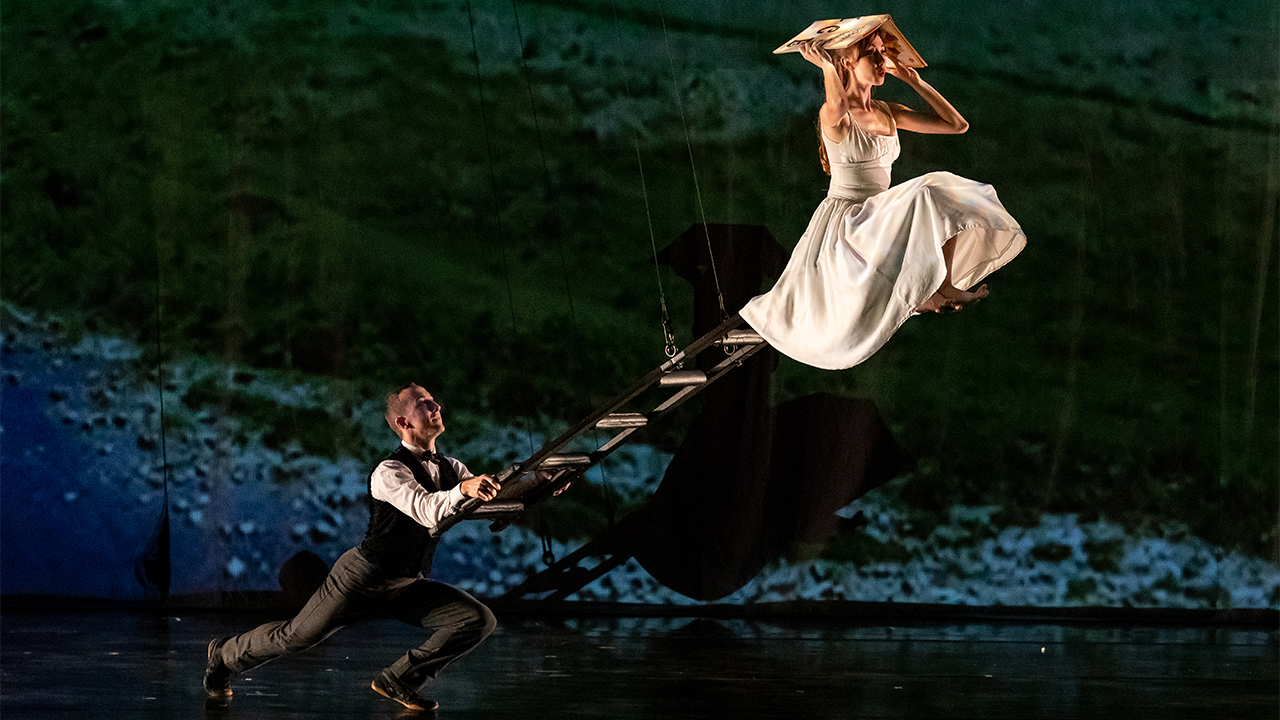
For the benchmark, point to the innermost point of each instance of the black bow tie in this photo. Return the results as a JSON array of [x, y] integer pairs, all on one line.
[[431, 457]]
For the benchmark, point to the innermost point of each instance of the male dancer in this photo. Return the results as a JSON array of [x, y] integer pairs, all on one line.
[[409, 493]]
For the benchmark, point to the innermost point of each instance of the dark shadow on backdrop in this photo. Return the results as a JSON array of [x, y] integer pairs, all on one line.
[[752, 479]]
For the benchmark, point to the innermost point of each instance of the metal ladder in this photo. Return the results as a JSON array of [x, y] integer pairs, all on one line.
[[521, 485]]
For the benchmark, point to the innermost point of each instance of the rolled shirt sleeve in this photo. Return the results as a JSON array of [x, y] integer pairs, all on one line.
[[393, 482]]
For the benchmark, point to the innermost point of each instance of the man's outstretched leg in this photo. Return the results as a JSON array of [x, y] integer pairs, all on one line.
[[344, 597]]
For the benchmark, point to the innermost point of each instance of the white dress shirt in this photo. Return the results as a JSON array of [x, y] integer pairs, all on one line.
[[393, 482]]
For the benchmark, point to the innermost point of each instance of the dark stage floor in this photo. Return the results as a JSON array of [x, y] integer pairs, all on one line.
[[141, 665]]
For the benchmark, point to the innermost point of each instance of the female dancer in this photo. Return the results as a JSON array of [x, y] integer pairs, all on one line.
[[872, 255]]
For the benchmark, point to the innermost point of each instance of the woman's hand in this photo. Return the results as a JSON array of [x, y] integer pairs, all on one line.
[[906, 74], [816, 54]]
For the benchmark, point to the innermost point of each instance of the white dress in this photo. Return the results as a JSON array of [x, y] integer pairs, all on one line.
[[873, 254]]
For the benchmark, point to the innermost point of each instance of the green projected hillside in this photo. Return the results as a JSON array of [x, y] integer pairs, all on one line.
[[347, 190]]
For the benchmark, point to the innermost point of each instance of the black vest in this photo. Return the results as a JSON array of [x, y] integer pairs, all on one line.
[[396, 543]]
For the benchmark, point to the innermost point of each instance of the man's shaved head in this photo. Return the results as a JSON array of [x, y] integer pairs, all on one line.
[[396, 404]]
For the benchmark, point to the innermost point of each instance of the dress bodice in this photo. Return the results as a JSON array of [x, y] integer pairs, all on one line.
[[861, 165]]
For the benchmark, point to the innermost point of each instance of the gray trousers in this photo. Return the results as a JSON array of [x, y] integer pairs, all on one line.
[[455, 622]]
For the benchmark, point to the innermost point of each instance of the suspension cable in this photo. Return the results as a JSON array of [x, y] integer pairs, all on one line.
[[162, 539], [693, 167], [493, 189], [564, 264], [668, 336], [546, 173]]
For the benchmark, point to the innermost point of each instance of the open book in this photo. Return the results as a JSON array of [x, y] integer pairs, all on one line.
[[843, 32]]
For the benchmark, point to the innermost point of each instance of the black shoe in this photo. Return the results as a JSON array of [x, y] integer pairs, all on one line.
[[217, 676], [389, 687]]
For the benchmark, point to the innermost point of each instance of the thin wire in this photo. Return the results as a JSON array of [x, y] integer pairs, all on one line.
[[546, 172], [669, 338], [693, 167], [564, 264], [164, 450], [493, 189]]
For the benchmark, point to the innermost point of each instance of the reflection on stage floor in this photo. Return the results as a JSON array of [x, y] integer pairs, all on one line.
[[93, 663]]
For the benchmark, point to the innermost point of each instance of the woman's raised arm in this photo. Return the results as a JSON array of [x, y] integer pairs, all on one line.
[[834, 112], [944, 120]]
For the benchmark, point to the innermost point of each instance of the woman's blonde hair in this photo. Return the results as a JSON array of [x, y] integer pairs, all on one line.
[[822, 151]]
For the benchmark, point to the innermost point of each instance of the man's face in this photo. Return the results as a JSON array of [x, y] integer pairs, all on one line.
[[421, 415]]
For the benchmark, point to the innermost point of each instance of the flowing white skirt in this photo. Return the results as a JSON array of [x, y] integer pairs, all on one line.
[[862, 268]]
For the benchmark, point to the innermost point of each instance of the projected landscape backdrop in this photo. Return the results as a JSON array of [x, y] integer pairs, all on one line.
[[230, 227]]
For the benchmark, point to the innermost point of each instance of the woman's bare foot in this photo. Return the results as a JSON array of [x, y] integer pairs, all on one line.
[[949, 299]]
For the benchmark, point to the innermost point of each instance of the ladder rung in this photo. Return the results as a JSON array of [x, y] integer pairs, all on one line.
[[740, 337], [623, 420], [499, 508], [556, 461], [682, 378]]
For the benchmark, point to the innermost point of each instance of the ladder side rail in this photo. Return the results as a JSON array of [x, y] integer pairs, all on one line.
[[630, 393], [729, 363], [739, 355], [697, 346], [471, 506], [573, 582], [678, 398], [543, 491], [613, 442], [468, 507], [548, 579], [718, 371]]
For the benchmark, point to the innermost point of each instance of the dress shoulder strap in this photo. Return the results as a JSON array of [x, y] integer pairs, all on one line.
[[893, 121], [853, 122]]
